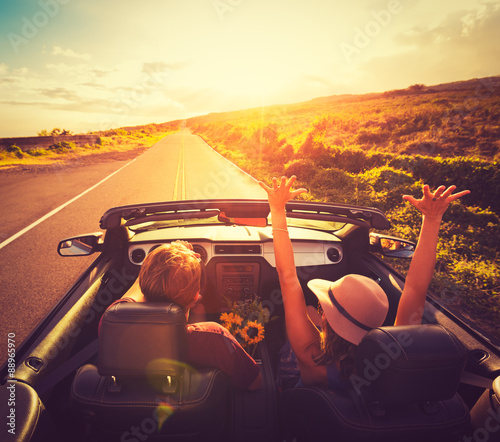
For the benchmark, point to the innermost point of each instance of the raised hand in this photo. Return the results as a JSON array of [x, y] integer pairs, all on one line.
[[433, 205], [281, 192]]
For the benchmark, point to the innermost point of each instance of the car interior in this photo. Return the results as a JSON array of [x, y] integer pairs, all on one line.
[[435, 381]]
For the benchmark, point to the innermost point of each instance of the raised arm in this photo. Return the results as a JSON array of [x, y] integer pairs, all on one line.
[[303, 335], [412, 302]]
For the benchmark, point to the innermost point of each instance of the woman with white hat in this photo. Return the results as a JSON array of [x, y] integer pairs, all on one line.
[[353, 304]]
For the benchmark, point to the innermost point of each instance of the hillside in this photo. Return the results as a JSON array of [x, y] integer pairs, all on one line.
[[371, 149], [47, 151], [461, 118]]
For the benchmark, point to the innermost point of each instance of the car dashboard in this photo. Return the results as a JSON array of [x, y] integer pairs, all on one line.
[[239, 262]]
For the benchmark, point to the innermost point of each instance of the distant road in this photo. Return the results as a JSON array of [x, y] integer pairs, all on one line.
[[33, 276]]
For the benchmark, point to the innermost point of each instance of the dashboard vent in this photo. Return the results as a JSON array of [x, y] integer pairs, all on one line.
[[334, 255], [138, 256], [238, 249]]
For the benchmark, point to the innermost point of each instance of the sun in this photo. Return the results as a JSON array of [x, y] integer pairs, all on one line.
[[258, 78]]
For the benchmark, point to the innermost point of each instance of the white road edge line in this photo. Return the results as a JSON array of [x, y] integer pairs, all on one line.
[[58, 209]]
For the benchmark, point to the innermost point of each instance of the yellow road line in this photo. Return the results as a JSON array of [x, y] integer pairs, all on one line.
[[183, 183], [180, 173]]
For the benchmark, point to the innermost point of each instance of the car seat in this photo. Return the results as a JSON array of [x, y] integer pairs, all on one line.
[[485, 415], [142, 386], [404, 388]]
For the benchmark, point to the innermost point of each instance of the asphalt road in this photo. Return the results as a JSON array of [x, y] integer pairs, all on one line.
[[33, 276]]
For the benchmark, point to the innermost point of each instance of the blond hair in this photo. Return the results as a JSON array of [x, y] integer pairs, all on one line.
[[171, 272], [336, 349]]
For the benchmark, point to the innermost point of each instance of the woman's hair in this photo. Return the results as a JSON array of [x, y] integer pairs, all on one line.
[[171, 272], [337, 349]]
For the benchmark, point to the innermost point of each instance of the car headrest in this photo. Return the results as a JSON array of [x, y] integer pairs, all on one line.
[[421, 363], [142, 338]]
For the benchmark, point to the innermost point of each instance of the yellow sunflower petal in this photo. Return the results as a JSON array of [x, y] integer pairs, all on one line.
[[237, 319], [255, 339]]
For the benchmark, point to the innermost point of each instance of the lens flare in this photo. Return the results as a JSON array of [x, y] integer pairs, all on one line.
[[163, 411]]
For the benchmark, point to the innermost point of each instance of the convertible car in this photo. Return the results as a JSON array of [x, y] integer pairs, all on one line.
[[434, 381]]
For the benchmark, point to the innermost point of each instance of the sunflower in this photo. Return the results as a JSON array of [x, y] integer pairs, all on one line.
[[230, 319], [253, 332]]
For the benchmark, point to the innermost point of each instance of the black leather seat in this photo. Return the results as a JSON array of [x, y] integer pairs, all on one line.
[[404, 389], [142, 385], [24, 415], [485, 415]]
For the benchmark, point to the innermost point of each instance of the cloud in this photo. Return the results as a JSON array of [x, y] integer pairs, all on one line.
[[73, 104], [21, 71], [123, 90], [62, 68], [99, 73], [461, 27], [57, 50], [60, 92], [24, 103], [154, 67], [8, 76], [93, 84], [157, 73], [461, 46], [119, 103], [74, 73]]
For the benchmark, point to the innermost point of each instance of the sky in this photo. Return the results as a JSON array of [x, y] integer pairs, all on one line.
[[89, 65]]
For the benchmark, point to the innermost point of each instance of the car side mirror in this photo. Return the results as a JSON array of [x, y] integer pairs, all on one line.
[[80, 245], [391, 246]]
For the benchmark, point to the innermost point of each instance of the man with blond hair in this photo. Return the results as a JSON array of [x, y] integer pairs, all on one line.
[[172, 273]]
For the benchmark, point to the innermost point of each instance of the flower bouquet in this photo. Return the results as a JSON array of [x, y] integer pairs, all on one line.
[[245, 321]]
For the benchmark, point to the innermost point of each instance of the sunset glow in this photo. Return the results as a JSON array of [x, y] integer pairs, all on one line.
[[96, 65]]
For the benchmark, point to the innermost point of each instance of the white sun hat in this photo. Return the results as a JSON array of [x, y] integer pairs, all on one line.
[[353, 305]]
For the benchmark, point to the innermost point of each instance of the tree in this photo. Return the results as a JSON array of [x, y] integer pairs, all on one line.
[[54, 132], [417, 88]]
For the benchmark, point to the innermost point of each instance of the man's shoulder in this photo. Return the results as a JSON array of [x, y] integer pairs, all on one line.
[[207, 328], [210, 337]]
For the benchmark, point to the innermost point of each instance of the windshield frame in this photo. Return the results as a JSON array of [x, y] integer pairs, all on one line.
[[327, 217]]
